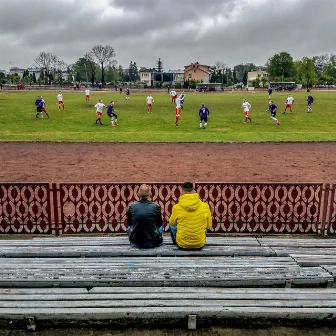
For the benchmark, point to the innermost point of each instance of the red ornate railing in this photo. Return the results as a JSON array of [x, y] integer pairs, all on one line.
[[70, 208], [25, 208]]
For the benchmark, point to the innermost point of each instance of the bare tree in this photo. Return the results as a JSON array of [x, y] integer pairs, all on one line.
[[46, 62], [104, 56], [61, 68]]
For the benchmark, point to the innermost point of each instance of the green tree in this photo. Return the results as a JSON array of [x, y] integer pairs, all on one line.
[[69, 79], [86, 67], [34, 78], [264, 81], [26, 79], [159, 68], [25, 74], [281, 65], [257, 82], [308, 71], [121, 73], [159, 65], [245, 77], [242, 71], [331, 68], [2, 75], [15, 79], [133, 72], [234, 76]]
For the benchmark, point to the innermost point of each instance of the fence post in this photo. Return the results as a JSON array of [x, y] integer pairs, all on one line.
[[55, 193], [325, 194], [331, 208]]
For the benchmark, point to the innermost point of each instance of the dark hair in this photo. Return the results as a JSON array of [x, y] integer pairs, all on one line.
[[187, 187]]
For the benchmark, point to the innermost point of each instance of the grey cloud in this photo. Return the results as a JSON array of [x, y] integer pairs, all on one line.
[[242, 31]]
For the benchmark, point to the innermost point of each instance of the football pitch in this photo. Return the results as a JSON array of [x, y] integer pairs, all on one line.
[[226, 120]]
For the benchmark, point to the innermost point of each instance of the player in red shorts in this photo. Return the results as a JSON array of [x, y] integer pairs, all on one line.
[[87, 95], [246, 106], [289, 104], [60, 101], [99, 110], [150, 102], [178, 111]]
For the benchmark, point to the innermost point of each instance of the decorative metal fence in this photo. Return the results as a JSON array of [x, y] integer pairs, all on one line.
[[42, 208], [26, 208]]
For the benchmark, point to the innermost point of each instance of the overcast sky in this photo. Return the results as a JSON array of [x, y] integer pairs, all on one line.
[[178, 31]]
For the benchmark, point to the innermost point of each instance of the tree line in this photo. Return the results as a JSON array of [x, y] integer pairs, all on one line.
[[100, 66]]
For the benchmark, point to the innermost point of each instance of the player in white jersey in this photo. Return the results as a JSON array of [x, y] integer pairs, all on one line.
[[289, 104], [150, 102], [178, 110], [60, 101], [99, 110], [87, 95], [173, 95], [246, 106]]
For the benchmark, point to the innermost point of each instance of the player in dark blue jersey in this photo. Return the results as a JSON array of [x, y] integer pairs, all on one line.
[[128, 92], [203, 114], [270, 91], [39, 107], [111, 114], [273, 108], [310, 101]]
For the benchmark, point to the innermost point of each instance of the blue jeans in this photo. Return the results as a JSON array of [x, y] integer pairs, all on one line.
[[148, 245], [173, 233]]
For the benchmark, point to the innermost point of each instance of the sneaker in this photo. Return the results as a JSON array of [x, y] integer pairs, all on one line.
[[116, 124], [278, 123]]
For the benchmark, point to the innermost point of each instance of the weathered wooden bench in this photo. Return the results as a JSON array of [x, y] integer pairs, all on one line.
[[120, 240], [83, 278], [167, 303], [162, 272], [125, 250]]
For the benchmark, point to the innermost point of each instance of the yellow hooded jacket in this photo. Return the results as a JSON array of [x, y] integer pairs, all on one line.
[[192, 218]]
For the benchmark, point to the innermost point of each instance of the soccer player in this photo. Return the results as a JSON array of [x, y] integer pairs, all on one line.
[[39, 107], [181, 97], [272, 108], [289, 104], [203, 113], [128, 92], [178, 110], [150, 102], [60, 101], [44, 106], [310, 101], [99, 110], [173, 95], [111, 114], [246, 106], [270, 91], [87, 95]]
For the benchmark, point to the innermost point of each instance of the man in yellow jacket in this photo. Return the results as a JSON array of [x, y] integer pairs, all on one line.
[[190, 220]]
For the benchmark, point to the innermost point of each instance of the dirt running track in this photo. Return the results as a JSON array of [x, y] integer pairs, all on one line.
[[60, 162]]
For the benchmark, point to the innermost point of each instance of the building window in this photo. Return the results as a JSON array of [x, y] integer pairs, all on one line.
[[190, 76]]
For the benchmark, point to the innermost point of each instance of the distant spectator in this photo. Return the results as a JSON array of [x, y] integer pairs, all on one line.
[[190, 220], [144, 220]]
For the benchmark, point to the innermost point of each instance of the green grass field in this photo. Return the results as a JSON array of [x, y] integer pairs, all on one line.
[[226, 122]]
